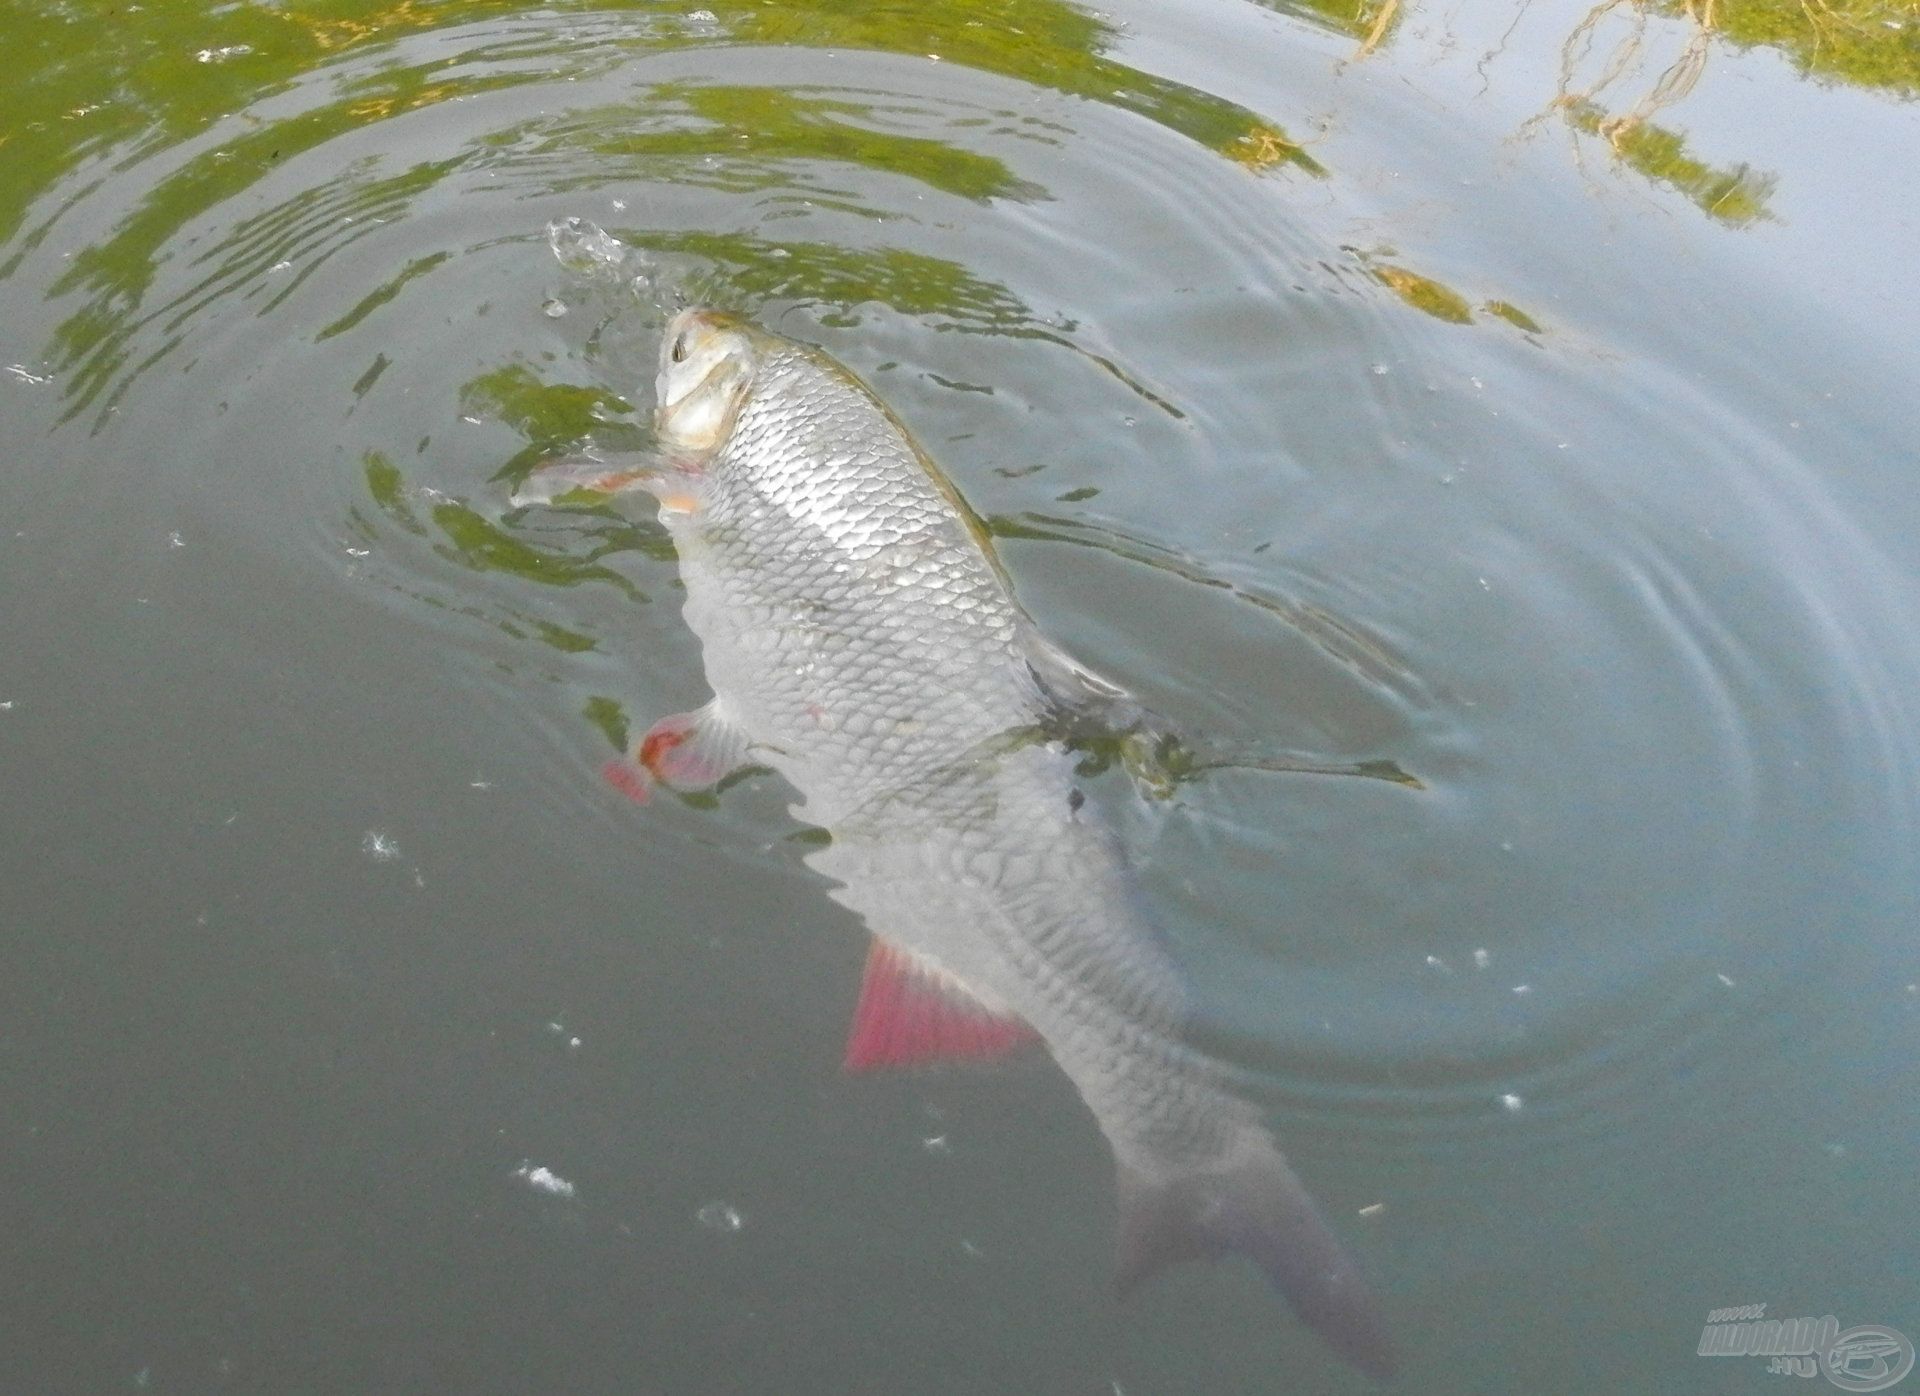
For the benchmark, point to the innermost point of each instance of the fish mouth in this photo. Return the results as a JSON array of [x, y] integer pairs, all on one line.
[[712, 378]]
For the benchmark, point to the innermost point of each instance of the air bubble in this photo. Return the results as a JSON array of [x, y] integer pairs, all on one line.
[[543, 1179], [720, 1216]]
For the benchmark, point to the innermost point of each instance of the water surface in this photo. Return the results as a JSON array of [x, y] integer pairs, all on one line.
[[1523, 398]]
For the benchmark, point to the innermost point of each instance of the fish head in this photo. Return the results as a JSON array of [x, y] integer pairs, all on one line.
[[707, 363]]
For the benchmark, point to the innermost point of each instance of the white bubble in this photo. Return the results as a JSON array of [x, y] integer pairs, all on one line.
[[554, 308], [543, 1179], [720, 1216], [1511, 1102]]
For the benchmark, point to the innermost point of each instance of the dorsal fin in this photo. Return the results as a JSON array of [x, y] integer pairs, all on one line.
[[911, 1012]]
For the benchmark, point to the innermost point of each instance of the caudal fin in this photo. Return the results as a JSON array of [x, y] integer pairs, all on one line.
[[1259, 1209]]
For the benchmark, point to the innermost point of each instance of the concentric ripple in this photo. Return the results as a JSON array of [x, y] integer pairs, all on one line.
[[1314, 494]]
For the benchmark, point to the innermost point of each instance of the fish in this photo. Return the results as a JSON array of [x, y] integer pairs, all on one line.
[[861, 640]]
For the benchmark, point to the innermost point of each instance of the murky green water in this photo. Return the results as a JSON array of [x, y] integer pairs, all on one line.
[[1527, 401]]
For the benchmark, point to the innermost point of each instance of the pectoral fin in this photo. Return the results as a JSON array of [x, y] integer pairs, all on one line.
[[589, 475], [691, 751], [684, 751], [912, 1012]]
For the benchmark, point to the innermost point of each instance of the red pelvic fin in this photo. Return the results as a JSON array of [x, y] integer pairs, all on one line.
[[911, 1012], [691, 751]]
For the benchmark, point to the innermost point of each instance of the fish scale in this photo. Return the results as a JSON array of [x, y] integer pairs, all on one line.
[[860, 639], [809, 453]]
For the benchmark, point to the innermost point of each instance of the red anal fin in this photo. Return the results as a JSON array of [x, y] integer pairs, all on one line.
[[910, 1013], [691, 751]]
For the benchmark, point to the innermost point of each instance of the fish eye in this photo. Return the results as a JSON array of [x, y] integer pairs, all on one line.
[[680, 349]]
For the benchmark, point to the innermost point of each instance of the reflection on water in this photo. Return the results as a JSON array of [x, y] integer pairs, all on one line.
[[1558, 488], [737, 137]]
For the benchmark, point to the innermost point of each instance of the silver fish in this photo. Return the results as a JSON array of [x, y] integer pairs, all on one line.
[[860, 639]]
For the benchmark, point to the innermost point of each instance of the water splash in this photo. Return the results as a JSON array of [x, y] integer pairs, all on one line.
[[380, 846], [596, 256]]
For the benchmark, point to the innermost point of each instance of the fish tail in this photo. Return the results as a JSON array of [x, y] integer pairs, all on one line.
[[1258, 1208]]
